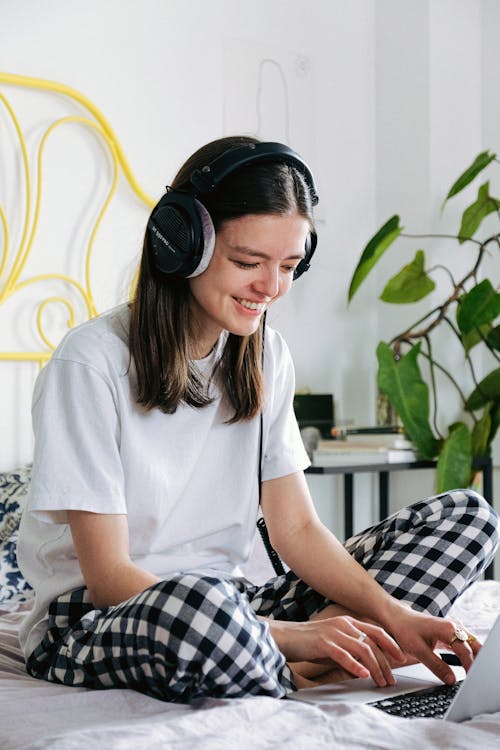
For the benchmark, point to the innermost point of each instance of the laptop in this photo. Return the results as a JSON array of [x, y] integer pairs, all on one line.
[[419, 693]]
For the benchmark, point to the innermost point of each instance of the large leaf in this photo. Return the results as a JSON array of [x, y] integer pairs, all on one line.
[[402, 382], [373, 251], [487, 390], [474, 215], [454, 463], [493, 338], [469, 340], [480, 162], [410, 284], [481, 434], [495, 421], [479, 306]]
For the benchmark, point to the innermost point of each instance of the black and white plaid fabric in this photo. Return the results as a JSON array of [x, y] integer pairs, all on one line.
[[430, 552], [195, 635]]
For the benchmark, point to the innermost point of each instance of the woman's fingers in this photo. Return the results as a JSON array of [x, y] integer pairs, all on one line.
[[421, 636], [376, 649], [465, 645], [347, 660], [368, 652], [384, 641], [377, 663], [462, 642], [361, 649], [365, 650]]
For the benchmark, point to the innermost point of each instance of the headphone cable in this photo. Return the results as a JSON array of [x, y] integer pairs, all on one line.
[[261, 523]]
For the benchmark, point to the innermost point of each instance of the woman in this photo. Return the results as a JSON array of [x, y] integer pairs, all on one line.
[[158, 428]]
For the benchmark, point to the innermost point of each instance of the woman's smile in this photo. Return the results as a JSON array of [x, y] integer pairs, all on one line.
[[252, 307]]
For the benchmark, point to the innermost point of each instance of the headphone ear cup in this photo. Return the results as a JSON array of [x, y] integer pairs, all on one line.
[[175, 234], [304, 264], [208, 233]]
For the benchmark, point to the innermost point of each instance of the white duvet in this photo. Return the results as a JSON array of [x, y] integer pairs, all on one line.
[[35, 715]]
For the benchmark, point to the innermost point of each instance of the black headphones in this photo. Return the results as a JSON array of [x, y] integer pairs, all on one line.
[[180, 230]]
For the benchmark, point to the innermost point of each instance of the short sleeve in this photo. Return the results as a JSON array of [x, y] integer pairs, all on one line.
[[77, 462], [284, 451]]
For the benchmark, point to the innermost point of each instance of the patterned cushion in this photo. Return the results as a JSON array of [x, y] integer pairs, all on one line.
[[13, 492]]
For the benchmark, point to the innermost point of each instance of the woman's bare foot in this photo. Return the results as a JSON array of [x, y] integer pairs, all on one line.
[[311, 674]]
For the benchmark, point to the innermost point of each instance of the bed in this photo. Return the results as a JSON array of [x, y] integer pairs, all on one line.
[[35, 715]]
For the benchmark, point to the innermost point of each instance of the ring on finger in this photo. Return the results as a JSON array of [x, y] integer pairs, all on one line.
[[462, 635], [362, 637]]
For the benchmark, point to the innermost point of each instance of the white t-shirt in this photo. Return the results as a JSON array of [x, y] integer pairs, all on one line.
[[187, 482]]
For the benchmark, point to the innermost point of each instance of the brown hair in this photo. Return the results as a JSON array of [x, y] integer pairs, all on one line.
[[161, 327]]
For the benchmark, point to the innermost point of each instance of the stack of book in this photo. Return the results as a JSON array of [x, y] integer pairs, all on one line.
[[363, 449]]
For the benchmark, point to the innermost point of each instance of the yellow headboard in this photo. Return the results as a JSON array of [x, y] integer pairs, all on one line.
[[13, 260]]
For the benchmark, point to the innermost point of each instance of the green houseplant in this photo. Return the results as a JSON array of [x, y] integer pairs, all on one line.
[[469, 311]]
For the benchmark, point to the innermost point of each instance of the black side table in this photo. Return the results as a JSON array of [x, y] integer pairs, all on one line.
[[485, 466]]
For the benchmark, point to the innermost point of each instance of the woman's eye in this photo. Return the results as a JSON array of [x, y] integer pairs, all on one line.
[[248, 266]]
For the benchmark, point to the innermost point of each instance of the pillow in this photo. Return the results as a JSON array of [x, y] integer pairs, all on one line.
[[13, 492]]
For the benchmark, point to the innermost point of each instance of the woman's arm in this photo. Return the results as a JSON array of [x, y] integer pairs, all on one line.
[[314, 553], [316, 556], [102, 546]]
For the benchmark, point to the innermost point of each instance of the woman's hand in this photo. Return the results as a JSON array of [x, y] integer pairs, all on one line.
[[418, 634], [359, 648]]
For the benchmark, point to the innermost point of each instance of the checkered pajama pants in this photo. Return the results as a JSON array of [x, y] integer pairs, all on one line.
[[196, 635]]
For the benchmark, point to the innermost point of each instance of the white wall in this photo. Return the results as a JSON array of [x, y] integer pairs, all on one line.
[[386, 99], [171, 75]]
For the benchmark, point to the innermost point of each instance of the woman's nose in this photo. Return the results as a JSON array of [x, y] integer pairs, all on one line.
[[268, 282]]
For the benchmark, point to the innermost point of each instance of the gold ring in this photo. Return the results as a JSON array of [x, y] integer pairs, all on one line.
[[471, 638], [461, 635]]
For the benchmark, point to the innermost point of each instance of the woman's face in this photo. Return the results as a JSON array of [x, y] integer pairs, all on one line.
[[252, 266]]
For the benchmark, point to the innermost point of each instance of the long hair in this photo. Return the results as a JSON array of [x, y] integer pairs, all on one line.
[[162, 329]]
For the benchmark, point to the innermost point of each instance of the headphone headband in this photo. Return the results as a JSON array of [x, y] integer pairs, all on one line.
[[180, 229], [206, 178]]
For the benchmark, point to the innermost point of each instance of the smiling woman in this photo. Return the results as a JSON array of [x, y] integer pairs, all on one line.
[[159, 403], [159, 428]]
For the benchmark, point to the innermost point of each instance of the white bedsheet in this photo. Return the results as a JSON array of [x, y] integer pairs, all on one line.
[[35, 715]]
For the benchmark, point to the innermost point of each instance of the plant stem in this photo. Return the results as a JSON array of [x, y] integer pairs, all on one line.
[[447, 270], [434, 389], [467, 355], [444, 371], [440, 236], [441, 310]]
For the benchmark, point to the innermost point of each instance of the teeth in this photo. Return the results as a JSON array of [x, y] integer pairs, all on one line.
[[251, 305]]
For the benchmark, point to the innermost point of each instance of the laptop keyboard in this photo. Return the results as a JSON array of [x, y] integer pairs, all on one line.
[[431, 702]]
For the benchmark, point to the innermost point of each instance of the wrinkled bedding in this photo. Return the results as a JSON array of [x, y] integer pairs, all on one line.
[[35, 715]]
